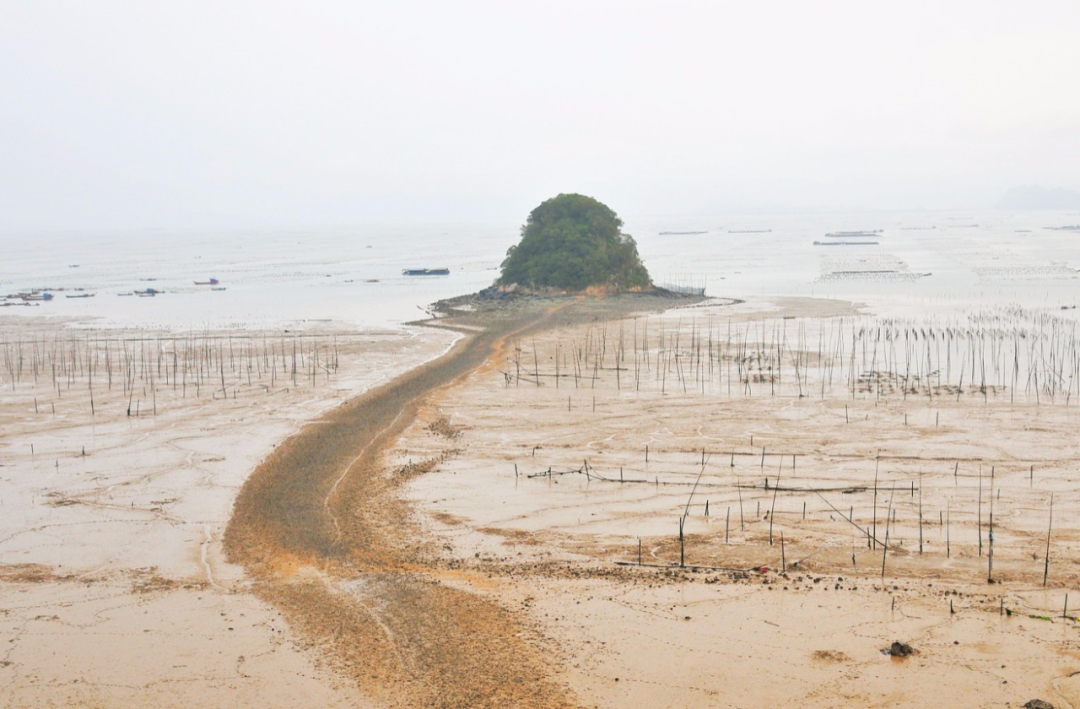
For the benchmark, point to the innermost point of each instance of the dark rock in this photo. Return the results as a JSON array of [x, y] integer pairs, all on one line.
[[1038, 704], [899, 649]]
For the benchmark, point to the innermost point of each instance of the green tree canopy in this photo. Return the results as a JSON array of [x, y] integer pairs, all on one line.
[[572, 242]]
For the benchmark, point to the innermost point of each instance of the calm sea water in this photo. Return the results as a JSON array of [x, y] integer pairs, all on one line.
[[276, 278]]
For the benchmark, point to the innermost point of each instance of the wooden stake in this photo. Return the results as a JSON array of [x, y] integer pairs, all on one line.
[[1049, 527]]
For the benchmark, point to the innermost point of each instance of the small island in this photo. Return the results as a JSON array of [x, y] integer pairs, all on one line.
[[572, 244]]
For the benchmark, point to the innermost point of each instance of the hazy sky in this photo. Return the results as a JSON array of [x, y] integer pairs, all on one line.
[[253, 112]]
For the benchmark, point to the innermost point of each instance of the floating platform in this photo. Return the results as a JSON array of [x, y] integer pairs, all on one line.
[[425, 272]]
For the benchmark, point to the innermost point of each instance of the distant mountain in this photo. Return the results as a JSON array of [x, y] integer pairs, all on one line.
[[1035, 197]]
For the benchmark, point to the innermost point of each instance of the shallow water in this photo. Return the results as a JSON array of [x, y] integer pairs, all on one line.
[[352, 275]]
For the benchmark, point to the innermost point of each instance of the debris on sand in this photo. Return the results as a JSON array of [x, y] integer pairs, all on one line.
[[899, 649], [1038, 704]]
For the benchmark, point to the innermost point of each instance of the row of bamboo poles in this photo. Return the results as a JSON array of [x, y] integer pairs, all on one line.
[[69, 364], [1009, 352]]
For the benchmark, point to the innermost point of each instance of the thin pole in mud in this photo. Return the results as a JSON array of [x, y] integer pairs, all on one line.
[[948, 525], [536, 364], [872, 542], [682, 544], [727, 525], [556, 365], [1049, 527], [783, 556], [979, 519], [772, 509], [920, 514], [884, 552], [990, 557], [742, 520], [885, 546]]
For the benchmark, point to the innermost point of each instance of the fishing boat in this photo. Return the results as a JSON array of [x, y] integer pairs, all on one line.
[[850, 234], [219, 288], [425, 272], [211, 282], [148, 292], [81, 295], [846, 243], [29, 297]]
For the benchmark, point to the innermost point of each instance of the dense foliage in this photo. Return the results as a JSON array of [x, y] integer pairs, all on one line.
[[572, 242]]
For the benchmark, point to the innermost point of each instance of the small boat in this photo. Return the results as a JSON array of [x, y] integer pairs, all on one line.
[[81, 295], [846, 243], [28, 297], [211, 282], [219, 288], [425, 272], [148, 292], [849, 234]]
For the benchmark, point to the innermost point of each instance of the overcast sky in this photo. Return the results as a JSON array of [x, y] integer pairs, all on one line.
[[253, 112]]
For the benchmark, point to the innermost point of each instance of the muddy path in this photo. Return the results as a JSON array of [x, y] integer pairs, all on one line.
[[325, 538]]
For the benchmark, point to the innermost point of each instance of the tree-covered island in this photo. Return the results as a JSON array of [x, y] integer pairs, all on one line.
[[573, 243]]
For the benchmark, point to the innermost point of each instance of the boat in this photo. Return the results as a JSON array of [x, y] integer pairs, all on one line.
[[219, 288], [28, 297], [148, 292], [682, 233], [848, 234], [211, 282], [425, 272], [81, 295], [846, 243]]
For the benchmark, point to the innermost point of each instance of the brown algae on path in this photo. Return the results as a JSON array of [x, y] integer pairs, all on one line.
[[321, 529]]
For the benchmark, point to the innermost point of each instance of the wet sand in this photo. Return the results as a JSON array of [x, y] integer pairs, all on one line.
[[782, 599], [410, 548], [114, 589]]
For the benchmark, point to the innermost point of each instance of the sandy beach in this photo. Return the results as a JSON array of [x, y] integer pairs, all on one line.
[[114, 590], [501, 526], [559, 479]]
